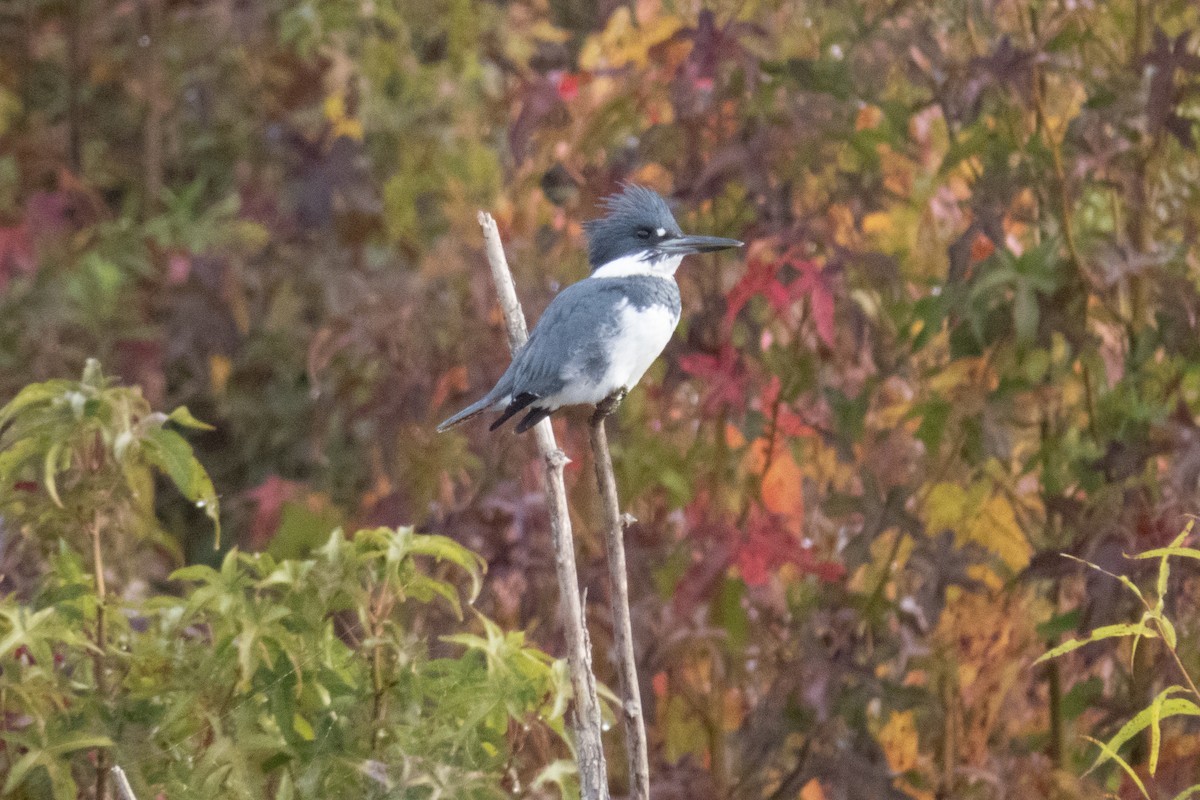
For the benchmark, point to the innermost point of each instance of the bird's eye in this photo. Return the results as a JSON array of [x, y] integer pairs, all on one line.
[[643, 233]]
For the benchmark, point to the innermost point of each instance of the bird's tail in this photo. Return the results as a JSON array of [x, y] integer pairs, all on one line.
[[478, 407]]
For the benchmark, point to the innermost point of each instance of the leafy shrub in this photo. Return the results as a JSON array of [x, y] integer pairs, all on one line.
[[1176, 700], [310, 677]]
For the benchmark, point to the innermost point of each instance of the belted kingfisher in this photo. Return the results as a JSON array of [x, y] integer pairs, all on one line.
[[599, 336]]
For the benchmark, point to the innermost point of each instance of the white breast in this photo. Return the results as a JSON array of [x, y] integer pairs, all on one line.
[[642, 336], [639, 337]]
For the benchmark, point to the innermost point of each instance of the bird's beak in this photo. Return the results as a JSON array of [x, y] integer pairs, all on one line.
[[686, 245]]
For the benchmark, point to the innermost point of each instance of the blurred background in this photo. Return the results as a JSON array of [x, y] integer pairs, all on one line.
[[962, 338]]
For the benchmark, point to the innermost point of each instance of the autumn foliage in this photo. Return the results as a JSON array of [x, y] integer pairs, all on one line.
[[962, 340]]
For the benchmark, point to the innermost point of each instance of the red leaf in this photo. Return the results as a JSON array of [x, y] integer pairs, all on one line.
[[753, 566], [16, 253], [787, 422], [762, 278], [768, 545], [270, 495], [568, 86], [698, 582], [48, 213], [822, 310], [725, 374], [179, 267]]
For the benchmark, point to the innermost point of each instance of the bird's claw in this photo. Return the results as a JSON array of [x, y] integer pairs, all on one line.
[[608, 405]]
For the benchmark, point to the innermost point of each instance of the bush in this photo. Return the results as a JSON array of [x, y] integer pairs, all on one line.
[[308, 677]]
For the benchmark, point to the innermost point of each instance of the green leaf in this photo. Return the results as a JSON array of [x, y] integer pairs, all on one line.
[[1163, 552], [61, 780], [15, 456], [1162, 708], [1188, 792], [24, 764], [1164, 570], [1103, 632], [444, 548], [79, 741], [1124, 579], [1108, 753], [181, 416], [423, 588], [195, 572], [1155, 733], [303, 729], [1025, 312], [560, 773], [1059, 624], [171, 453], [23, 623], [32, 395], [50, 472], [1083, 696], [1167, 628]]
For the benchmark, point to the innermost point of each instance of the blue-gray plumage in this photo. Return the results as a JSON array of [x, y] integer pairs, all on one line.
[[599, 336]]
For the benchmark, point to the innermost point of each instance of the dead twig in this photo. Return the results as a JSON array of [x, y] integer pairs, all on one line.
[[614, 541], [593, 772], [124, 790]]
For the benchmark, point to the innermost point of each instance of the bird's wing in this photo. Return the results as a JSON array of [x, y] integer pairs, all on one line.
[[568, 334]]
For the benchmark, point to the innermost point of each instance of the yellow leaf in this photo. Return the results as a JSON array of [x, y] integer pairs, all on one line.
[[219, 368], [877, 222], [622, 43], [841, 224], [1063, 98], [944, 507], [958, 372], [898, 740], [978, 514], [734, 710], [995, 527], [899, 173], [341, 123], [546, 31]]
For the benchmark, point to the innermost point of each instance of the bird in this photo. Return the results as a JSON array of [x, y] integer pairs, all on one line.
[[598, 336]]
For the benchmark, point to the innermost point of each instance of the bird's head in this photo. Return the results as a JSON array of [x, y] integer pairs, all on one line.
[[639, 235]]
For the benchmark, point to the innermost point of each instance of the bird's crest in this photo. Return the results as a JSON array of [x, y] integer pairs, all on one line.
[[632, 208]]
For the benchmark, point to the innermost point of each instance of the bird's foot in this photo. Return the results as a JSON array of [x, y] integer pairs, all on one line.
[[608, 405]]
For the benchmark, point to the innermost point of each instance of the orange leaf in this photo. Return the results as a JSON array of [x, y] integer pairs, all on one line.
[[868, 117], [783, 489], [812, 791], [453, 379], [733, 437], [981, 248]]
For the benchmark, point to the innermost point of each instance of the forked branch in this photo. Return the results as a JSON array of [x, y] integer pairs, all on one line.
[[593, 773]]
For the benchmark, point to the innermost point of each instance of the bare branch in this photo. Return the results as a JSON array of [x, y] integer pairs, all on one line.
[[124, 790], [614, 541], [593, 772]]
